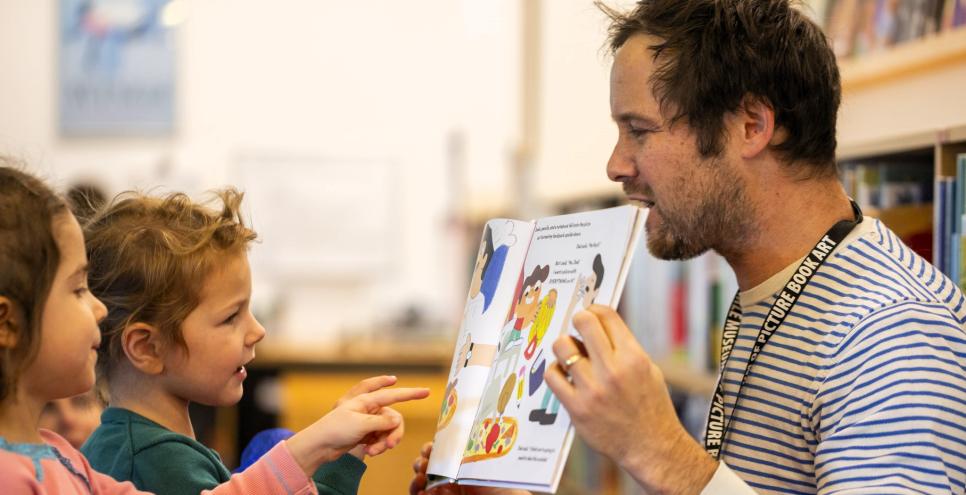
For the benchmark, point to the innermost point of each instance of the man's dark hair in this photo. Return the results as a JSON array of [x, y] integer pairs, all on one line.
[[716, 53]]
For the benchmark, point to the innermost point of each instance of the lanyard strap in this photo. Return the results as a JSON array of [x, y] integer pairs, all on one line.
[[716, 429]]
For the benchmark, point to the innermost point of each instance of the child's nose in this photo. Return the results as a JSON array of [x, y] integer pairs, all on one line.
[[100, 310], [256, 334]]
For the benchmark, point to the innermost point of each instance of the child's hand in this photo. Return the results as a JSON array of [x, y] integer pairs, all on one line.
[[364, 387], [365, 418]]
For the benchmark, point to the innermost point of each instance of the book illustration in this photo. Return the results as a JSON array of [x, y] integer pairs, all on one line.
[[487, 270], [495, 438], [585, 292], [448, 409], [489, 265], [523, 315]]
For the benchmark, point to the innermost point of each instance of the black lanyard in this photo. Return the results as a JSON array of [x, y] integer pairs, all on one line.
[[716, 429]]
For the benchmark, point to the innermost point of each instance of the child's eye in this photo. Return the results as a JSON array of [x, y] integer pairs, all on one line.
[[80, 291], [231, 319]]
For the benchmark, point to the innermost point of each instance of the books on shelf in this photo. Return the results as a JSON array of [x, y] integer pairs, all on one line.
[[499, 423], [898, 191], [861, 27], [954, 14], [950, 222]]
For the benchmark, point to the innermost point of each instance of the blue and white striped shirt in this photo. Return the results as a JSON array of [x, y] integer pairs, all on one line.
[[863, 387]]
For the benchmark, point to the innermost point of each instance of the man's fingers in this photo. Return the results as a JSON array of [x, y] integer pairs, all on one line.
[[614, 327], [590, 328], [420, 464], [426, 449], [572, 359], [417, 485], [561, 387]]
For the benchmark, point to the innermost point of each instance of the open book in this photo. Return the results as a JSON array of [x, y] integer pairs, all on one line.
[[499, 424]]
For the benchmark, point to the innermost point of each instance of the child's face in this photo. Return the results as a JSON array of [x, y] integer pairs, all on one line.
[[74, 418], [529, 300], [69, 335], [220, 334]]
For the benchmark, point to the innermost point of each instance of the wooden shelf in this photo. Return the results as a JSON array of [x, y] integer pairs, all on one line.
[[901, 143], [904, 59]]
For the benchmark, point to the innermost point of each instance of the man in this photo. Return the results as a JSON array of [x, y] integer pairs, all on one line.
[[845, 352]]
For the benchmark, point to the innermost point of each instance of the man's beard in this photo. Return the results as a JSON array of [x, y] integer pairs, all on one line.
[[715, 216]]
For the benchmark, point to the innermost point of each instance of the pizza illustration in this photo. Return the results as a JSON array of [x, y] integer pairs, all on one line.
[[448, 410], [494, 438]]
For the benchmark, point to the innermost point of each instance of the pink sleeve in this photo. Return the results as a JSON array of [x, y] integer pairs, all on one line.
[[275, 472], [103, 484]]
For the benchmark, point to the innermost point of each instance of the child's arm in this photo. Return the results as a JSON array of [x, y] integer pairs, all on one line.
[[176, 468]]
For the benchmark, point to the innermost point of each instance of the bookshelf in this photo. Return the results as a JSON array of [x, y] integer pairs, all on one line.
[[919, 56]]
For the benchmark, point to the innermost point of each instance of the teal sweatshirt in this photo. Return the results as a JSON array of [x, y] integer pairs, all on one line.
[[130, 447]]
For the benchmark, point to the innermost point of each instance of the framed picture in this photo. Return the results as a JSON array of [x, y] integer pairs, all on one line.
[[117, 68]]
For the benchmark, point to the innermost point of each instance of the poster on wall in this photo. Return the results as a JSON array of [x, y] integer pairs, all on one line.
[[117, 68]]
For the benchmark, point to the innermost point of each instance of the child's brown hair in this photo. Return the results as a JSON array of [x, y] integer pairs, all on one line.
[[29, 258], [149, 257]]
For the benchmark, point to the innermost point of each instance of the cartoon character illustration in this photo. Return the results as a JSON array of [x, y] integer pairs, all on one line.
[[484, 280], [494, 425], [488, 268], [585, 292], [540, 323]]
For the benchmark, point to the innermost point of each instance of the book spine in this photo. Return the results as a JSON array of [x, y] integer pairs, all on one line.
[[938, 251]]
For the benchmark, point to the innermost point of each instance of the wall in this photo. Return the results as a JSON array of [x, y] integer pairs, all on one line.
[[379, 80]]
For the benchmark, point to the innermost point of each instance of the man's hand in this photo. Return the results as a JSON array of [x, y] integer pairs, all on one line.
[[418, 485], [620, 406]]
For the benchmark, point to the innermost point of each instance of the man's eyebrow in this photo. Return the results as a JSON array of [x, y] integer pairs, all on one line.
[[629, 116]]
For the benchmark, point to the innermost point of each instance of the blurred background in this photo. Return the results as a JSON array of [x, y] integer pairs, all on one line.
[[374, 138]]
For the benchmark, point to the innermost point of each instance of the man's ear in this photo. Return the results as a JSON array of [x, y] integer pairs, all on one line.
[[10, 323], [143, 346], [756, 118]]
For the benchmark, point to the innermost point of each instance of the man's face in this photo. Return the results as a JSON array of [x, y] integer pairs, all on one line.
[[695, 203]]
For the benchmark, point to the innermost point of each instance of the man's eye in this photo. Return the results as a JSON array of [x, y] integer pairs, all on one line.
[[638, 133]]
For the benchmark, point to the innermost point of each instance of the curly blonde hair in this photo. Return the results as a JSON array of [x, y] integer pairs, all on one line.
[[149, 257]]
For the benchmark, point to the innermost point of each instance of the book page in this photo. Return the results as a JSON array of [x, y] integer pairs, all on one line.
[[492, 285], [521, 434]]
